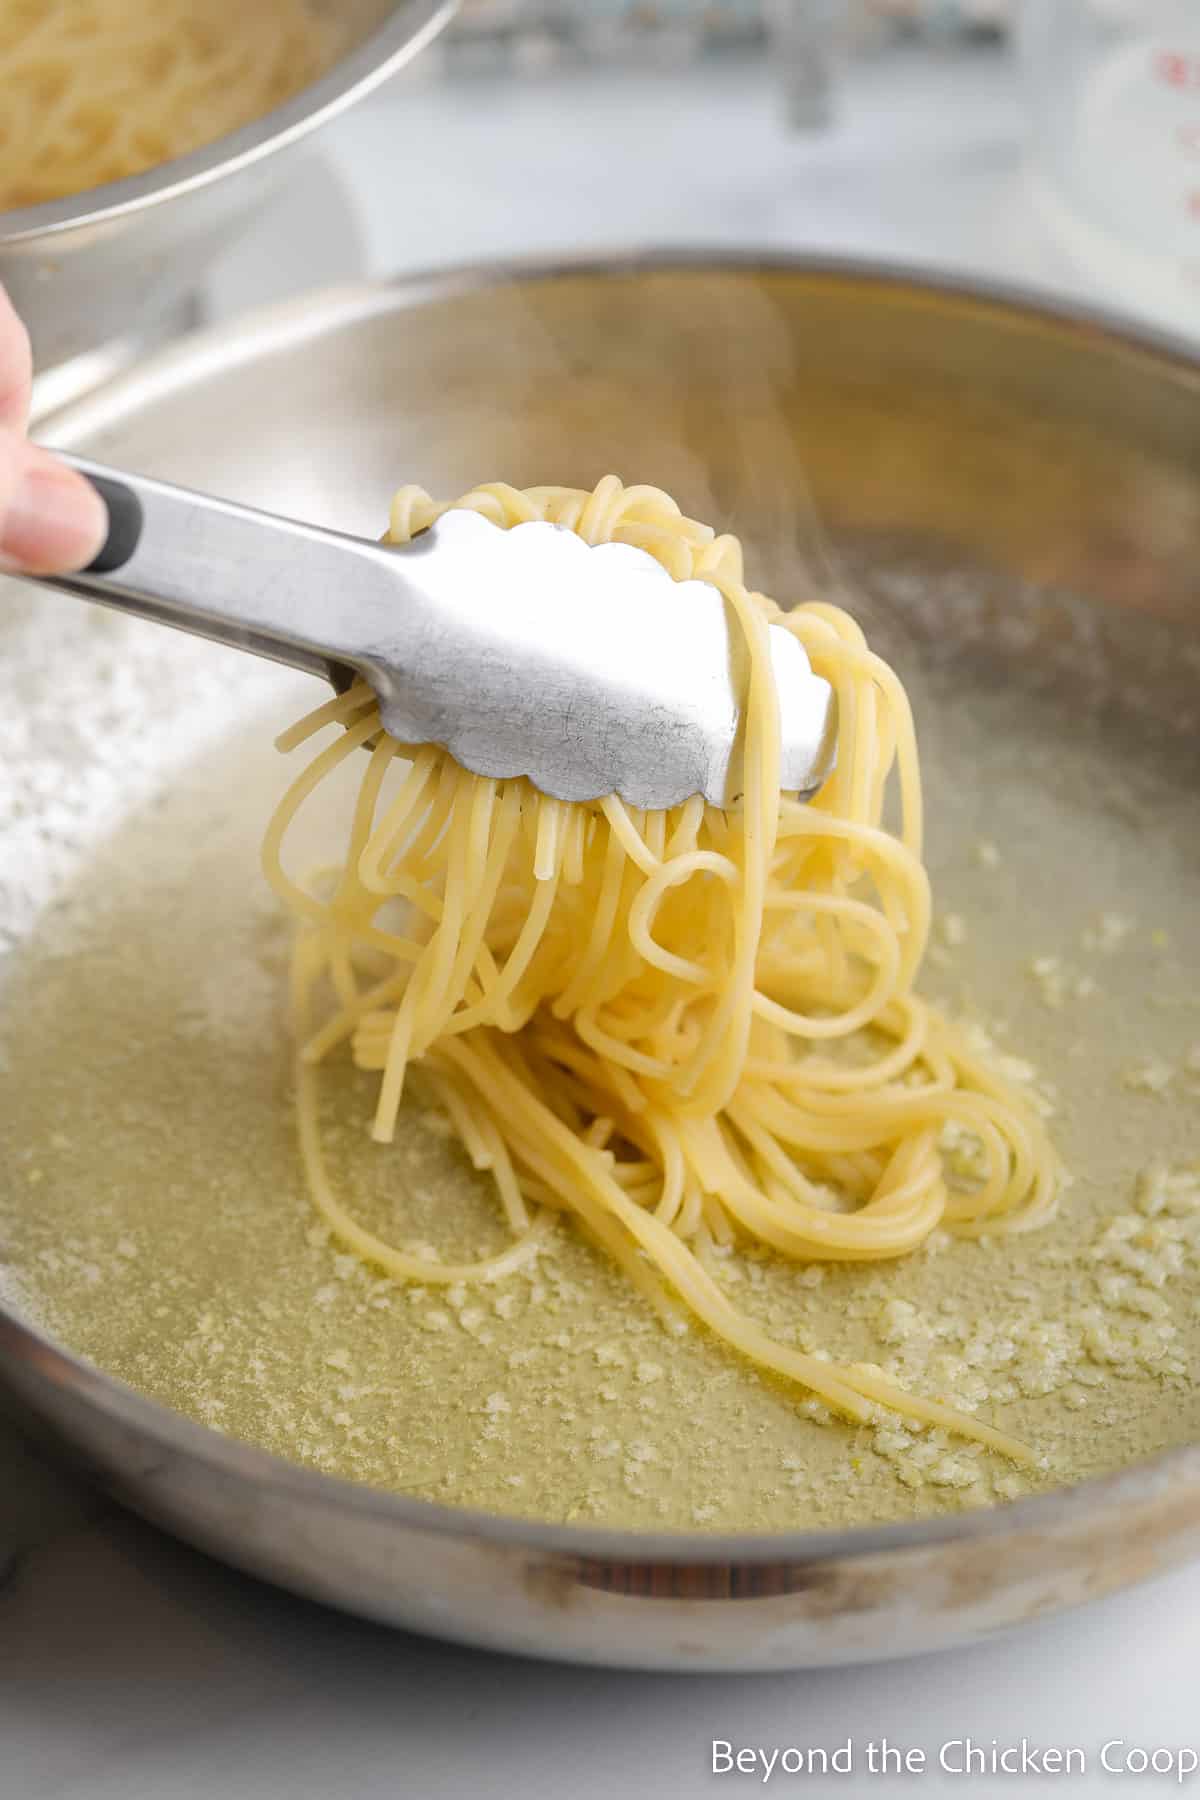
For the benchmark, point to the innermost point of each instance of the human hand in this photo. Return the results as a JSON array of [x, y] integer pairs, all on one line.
[[51, 519]]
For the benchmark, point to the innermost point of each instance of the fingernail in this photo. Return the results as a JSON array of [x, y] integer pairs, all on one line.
[[55, 521]]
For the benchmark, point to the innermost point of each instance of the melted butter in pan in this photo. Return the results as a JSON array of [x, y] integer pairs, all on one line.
[[153, 1215]]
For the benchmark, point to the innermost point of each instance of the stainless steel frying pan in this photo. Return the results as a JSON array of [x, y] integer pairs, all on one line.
[[972, 429]]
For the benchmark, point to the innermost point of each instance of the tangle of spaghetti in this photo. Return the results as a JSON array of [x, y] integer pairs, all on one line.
[[682, 1029]]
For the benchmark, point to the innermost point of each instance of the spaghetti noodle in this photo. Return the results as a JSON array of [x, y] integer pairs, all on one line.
[[94, 90], [683, 1029]]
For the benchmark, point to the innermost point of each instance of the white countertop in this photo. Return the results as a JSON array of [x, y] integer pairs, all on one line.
[[922, 166], [132, 1667]]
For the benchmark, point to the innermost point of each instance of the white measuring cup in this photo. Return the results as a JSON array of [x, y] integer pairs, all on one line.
[[1114, 88]]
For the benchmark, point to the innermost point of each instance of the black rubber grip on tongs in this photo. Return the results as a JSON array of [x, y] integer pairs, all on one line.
[[125, 520]]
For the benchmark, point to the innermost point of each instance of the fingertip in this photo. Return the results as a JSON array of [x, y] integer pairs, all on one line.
[[55, 521], [16, 366]]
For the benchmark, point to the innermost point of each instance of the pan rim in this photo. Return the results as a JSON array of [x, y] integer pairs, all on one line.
[[288, 323]]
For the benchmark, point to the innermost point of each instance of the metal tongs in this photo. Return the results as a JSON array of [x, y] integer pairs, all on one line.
[[523, 652]]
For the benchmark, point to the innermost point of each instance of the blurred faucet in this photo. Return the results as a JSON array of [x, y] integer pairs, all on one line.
[[806, 39], [810, 39]]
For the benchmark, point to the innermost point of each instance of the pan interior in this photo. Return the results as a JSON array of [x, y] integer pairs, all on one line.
[[151, 1211]]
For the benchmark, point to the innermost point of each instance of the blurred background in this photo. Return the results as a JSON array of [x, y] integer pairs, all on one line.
[[1054, 144], [1051, 145]]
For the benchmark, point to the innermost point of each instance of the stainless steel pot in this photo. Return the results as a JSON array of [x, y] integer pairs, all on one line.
[[1052, 452], [96, 267]]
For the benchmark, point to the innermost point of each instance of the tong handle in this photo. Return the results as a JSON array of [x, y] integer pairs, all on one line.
[[250, 579]]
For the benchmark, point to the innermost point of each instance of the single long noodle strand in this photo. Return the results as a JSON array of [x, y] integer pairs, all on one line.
[[678, 1029]]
